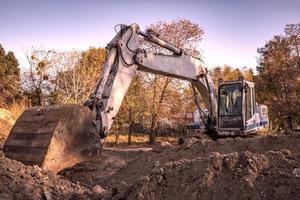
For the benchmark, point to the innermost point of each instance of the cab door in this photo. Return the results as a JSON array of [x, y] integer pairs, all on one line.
[[249, 107], [230, 108]]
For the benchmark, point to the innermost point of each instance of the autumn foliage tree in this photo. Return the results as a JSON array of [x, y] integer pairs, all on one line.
[[60, 77], [229, 73], [183, 34], [79, 74], [9, 77], [39, 81], [278, 79]]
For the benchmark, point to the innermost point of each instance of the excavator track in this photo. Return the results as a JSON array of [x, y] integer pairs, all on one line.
[[53, 137]]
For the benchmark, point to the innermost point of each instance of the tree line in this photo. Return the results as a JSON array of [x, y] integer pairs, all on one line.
[[154, 101]]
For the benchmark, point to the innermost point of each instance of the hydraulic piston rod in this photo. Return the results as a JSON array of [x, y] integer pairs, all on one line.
[[151, 37]]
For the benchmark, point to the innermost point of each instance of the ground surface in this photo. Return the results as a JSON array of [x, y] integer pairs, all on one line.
[[252, 168], [256, 168]]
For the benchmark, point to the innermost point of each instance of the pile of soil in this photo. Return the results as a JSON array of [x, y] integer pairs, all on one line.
[[18, 181], [99, 171], [251, 168], [245, 175], [239, 168]]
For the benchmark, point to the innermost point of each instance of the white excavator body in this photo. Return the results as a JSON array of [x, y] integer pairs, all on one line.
[[55, 137]]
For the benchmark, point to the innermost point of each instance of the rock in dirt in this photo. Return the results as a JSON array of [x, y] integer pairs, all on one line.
[[98, 192], [158, 148]]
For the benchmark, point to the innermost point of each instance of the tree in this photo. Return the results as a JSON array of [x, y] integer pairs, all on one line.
[[60, 77], [183, 34], [133, 109], [278, 79], [40, 81], [228, 73], [9, 78], [79, 75]]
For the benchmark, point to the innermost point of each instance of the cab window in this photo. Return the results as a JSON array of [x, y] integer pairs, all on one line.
[[230, 99]]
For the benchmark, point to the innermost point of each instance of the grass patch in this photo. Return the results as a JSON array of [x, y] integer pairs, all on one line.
[[137, 139], [123, 138], [16, 109]]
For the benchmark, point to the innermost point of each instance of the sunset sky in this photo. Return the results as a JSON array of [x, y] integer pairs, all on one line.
[[233, 29]]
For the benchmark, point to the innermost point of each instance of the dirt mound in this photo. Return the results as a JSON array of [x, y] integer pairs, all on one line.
[[252, 168], [99, 171], [244, 175], [18, 181]]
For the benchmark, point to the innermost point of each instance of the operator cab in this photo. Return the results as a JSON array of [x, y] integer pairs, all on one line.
[[238, 113]]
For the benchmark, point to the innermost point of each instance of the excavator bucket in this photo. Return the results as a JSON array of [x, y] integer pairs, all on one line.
[[53, 137]]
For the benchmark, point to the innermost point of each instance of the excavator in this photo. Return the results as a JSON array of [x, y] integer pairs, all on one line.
[[56, 137]]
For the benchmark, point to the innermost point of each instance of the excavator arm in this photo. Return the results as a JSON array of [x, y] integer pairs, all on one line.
[[126, 56]]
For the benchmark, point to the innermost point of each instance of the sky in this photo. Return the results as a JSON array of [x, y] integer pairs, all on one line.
[[233, 29]]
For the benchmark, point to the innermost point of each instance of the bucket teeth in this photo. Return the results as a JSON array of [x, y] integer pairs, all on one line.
[[53, 137]]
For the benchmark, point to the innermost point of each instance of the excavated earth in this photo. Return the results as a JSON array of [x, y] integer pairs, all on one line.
[[239, 168], [252, 168]]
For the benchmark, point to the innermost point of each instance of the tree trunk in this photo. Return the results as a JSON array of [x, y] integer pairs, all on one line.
[[117, 133], [155, 111], [130, 126], [152, 131]]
